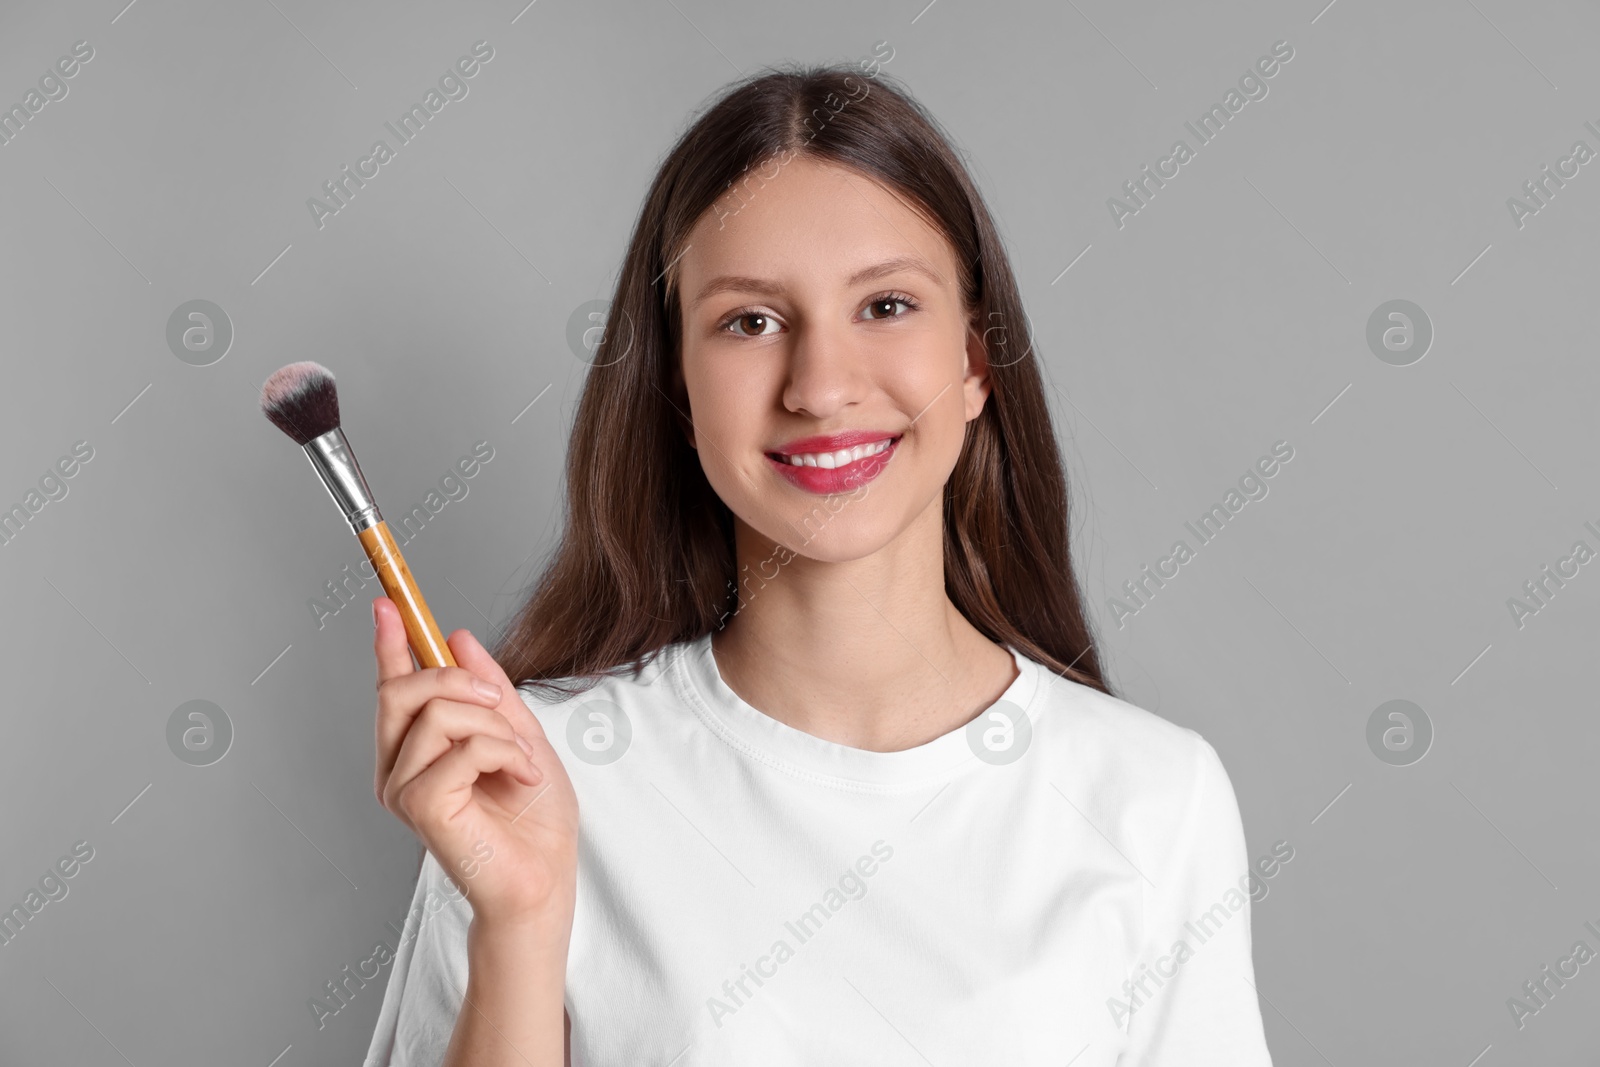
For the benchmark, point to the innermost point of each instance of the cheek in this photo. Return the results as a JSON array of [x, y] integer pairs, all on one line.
[[723, 408], [727, 427], [944, 428], [935, 390]]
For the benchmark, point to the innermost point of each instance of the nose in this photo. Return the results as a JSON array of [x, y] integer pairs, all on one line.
[[826, 371]]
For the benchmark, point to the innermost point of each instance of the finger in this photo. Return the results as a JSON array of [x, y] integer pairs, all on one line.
[[401, 699], [444, 788], [389, 641], [440, 725], [475, 658]]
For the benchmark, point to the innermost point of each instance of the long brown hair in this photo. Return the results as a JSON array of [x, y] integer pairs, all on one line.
[[646, 557]]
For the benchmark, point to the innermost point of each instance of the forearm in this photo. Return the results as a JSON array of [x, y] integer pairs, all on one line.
[[513, 1015]]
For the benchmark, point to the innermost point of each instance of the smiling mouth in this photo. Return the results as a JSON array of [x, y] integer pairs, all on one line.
[[844, 457], [844, 471]]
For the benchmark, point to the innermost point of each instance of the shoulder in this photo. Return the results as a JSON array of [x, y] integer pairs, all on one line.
[[1121, 738], [1159, 781], [625, 686]]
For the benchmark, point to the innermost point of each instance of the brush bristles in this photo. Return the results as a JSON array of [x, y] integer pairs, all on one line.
[[301, 400]]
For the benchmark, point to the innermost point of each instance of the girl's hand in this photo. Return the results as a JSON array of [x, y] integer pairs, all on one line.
[[498, 813]]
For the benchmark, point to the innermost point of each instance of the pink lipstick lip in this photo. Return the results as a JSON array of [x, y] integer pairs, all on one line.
[[832, 442], [827, 481]]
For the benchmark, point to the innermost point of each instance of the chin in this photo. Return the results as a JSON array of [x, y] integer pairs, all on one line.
[[846, 532], [838, 552]]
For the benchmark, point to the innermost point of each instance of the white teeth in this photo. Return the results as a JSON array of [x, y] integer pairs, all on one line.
[[831, 460]]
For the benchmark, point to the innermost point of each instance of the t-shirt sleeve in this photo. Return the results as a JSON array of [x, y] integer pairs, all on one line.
[[1191, 993], [429, 976]]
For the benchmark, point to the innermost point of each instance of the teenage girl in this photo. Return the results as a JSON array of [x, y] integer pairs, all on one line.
[[810, 759]]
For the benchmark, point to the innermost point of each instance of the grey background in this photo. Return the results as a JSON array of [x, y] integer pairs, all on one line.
[[1228, 314]]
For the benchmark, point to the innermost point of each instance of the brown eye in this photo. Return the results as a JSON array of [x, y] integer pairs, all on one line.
[[887, 305], [754, 319]]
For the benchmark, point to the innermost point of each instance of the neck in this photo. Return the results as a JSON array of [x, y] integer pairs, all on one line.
[[869, 653]]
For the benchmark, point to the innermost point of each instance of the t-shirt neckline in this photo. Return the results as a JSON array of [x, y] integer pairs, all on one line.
[[758, 736]]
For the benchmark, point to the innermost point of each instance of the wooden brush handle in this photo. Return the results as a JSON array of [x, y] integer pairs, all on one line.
[[421, 631]]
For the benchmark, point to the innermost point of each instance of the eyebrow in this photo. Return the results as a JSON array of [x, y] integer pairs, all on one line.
[[745, 284]]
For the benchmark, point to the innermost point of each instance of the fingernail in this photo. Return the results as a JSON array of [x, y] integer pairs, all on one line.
[[526, 748], [374, 614], [485, 690]]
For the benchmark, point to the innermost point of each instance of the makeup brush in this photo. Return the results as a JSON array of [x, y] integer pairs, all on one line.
[[301, 400]]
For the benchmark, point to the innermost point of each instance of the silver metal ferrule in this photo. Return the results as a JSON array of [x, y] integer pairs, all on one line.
[[336, 464]]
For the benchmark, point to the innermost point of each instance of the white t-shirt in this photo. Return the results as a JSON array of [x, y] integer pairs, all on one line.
[[1058, 882]]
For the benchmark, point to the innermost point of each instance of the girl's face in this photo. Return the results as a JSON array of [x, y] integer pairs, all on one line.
[[818, 304]]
